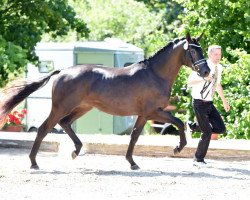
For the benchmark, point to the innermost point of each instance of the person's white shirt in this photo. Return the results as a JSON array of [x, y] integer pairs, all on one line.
[[200, 83]]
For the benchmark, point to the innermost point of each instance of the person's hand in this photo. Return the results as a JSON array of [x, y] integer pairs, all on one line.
[[226, 106], [209, 78]]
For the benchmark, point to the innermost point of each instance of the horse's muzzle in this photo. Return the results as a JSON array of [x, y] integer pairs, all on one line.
[[204, 71]]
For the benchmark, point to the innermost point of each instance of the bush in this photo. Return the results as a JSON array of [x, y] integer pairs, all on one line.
[[235, 81], [12, 60]]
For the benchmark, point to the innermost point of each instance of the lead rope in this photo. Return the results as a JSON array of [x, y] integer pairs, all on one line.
[[206, 85]]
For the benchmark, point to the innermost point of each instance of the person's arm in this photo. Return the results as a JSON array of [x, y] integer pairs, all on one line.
[[194, 79], [220, 91]]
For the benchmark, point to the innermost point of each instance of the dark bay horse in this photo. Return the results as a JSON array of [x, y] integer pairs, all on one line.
[[142, 89]]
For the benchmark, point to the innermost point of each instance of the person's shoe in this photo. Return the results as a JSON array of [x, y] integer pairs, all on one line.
[[200, 164]]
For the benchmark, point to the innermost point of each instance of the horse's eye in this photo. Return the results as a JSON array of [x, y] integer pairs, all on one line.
[[192, 52]]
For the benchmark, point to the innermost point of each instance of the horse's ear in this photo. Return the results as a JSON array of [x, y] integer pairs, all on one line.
[[199, 38], [188, 37]]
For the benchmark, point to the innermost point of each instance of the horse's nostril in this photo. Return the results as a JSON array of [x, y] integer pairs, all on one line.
[[206, 73]]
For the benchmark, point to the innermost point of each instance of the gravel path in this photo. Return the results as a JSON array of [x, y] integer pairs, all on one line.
[[109, 177]]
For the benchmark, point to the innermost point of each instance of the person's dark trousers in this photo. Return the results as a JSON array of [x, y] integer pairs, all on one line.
[[209, 121]]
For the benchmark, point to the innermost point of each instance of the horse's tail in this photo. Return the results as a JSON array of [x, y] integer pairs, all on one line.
[[11, 96]]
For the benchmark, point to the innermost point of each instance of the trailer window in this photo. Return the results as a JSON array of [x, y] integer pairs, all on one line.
[[45, 66]]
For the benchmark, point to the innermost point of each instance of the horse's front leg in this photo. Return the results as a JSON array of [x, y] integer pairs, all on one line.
[[167, 117], [136, 131]]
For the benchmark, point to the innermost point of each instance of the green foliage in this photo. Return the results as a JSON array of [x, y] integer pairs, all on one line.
[[12, 60], [128, 20], [22, 25], [236, 84], [171, 11], [179, 90], [225, 22], [24, 22]]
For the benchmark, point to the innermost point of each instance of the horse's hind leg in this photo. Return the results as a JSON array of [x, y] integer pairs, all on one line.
[[43, 130], [136, 131], [66, 122]]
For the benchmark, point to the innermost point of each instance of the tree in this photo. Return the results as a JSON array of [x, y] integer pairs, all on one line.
[[23, 24], [12, 60], [236, 81], [171, 11], [225, 22], [128, 20]]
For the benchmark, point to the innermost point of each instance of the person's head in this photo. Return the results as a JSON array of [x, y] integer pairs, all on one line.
[[214, 53]]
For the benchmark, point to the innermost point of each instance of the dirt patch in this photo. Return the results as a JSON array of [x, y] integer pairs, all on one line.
[[109, 177]]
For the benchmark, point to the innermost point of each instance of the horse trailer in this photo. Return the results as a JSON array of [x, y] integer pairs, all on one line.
[[53, 56]]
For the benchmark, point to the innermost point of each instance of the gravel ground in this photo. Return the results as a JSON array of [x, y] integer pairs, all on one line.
[[109, 177]]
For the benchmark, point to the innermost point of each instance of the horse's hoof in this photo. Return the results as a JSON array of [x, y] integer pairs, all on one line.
[[135, 167], [73, 155], [176, 150], [34, 167]]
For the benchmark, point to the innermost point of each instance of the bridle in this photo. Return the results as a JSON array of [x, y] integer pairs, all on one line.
[[196, 65]]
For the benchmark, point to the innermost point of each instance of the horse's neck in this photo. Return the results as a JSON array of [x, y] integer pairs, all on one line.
[[168, 65]]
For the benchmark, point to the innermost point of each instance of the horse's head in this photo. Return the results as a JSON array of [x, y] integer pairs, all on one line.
[[194, 56]]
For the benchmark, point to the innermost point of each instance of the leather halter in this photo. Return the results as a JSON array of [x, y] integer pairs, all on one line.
[[196, 64]]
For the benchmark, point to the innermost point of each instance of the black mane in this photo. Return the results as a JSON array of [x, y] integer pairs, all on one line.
[[168, 47]]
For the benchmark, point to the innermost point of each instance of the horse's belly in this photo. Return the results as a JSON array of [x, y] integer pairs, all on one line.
[[116, 108], [126, 106], [125, 98], [118, 112]]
